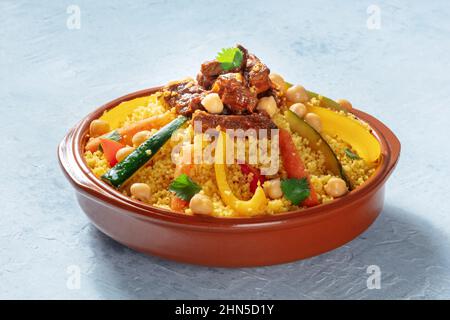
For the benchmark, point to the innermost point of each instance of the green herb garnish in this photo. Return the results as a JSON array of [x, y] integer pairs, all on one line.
[[230, 58], [114, 135], [295, 190], [349, 153], [184, 187]]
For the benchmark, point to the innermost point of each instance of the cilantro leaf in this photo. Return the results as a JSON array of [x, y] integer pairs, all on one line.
[[351, 154], [230, 58], [295, 190], [184, 187]]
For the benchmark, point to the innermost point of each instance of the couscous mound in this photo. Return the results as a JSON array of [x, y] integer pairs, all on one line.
[[152, 150]]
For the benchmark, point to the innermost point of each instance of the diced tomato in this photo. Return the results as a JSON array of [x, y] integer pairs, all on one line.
[[257, 176], [178, 204], [294, 166], [110, 148]]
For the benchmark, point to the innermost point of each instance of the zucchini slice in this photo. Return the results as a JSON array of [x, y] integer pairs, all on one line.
[[351, 131], [326, 102], [317, 143], [124, 170]]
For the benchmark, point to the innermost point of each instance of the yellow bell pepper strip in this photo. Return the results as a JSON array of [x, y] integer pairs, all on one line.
[[256, 205], [117, 115], [365, 144], [317, 143], [349, 130]]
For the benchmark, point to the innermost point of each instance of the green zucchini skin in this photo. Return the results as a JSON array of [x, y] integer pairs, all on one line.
[[326, 102], [317, 142], [122, 171]]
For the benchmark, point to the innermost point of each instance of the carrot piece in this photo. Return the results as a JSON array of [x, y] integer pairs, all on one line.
[[110, 148], [127, 133], [294, 166]]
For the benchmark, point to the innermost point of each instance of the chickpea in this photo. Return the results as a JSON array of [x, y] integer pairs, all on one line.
[[299, 109], [140, 137], [268, 105], [345, 104], [123, 153], [272, 188], [314, 121], [201, 204], [98, 127], [212, 103], [297, 94], [336, 187], [140, 191], [279, 81]]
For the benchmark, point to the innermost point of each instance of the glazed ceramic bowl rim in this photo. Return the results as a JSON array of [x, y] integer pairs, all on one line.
[[100, 190]]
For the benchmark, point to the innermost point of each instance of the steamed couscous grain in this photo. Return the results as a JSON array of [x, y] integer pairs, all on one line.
[[159, 172], [310, 156]]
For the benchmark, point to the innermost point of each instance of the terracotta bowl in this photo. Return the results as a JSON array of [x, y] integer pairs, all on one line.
[[233, 242]]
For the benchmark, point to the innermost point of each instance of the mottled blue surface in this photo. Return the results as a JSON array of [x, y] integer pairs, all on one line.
[[51, 76]]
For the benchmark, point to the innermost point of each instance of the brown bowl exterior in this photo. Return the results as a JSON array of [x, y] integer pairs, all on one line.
[[225, 242]]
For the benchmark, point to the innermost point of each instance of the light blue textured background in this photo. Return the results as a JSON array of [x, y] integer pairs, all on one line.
[[51, 76]]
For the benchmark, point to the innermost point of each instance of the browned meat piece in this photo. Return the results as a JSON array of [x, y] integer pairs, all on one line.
[[211, 68], [235, 94], [204, 81], [257, 74], [209, 71], [185, 96], [245, 122], [245, 56]]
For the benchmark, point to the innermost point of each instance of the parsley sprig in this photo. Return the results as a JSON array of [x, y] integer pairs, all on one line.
[[295, 190], [230, 58], [184, 187], [349, 153]]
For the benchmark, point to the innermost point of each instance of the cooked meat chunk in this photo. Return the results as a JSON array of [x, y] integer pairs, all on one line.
[[251, 121], [205, 81], [257, 74], [235, 94], [245, 54], [209, 71], [211, 68], [185, 96], [239, 88]]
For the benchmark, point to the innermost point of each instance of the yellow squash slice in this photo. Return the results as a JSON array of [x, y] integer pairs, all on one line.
[[349, 130], [117, 115], [256, 205]]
